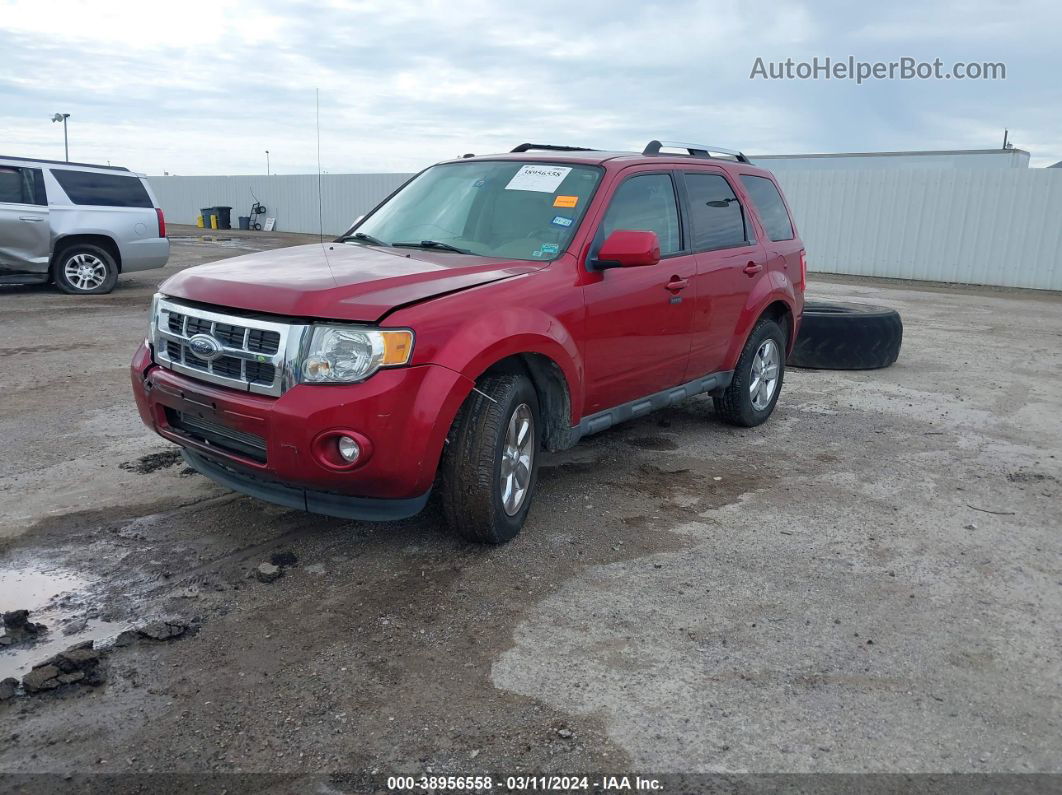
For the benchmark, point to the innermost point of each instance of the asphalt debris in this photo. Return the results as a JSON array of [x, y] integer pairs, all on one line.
[[8, 688], [19, 629], [267, 572], [80, 664], [167, 629]]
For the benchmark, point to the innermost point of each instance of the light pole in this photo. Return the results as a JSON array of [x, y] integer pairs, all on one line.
[[267, 162], [66, 144]]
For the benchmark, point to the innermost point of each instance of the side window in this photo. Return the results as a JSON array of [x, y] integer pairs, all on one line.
[[646, 203], [102, 190], [716, 215], [768, 203], [21, 185]]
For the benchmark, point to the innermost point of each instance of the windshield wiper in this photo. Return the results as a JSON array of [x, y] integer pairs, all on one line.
[[362, 236], [432, 244]]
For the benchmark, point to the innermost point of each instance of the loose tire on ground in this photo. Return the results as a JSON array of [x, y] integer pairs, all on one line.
[[847, 337], [476, 464], [747, 402], [84, 269]]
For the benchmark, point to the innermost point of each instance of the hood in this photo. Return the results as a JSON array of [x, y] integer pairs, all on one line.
[[337, 281]]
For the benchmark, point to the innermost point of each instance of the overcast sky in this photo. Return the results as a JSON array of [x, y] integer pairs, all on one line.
[[206, 87]]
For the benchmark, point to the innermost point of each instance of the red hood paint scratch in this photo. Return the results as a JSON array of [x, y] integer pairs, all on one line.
[[336, 280]]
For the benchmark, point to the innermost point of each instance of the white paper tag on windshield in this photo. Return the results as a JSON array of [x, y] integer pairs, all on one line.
[[541, 178]]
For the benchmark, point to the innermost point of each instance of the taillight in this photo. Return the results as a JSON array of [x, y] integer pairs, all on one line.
[[162, 222], [803, 269]]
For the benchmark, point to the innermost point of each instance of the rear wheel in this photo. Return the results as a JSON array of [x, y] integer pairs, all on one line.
[[753, 392], [85, 269], [490, 464]]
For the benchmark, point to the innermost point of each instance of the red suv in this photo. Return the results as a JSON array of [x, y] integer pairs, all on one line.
[[490, 308]]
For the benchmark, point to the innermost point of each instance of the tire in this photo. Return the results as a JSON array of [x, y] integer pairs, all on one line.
[[751, 397], [847, 337], [72, 266], [473, 472]]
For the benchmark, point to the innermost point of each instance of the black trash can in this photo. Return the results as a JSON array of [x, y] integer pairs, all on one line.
[[244, 221], [224, 217], [206, 213]]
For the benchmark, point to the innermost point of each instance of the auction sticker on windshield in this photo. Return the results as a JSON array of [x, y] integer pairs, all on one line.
[[544, 179]]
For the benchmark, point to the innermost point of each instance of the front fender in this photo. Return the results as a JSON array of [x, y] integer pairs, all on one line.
[[488, 338], [772, 287], [469, 331]]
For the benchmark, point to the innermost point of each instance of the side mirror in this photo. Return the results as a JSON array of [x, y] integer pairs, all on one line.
[[357, 220], [628, 248]]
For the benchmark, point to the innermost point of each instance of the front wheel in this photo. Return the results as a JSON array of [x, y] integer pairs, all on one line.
[[757, 382], [490, 464], [85, 270]]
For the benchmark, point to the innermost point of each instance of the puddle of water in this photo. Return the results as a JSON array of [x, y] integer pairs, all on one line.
[[53, 596], [29, 588]]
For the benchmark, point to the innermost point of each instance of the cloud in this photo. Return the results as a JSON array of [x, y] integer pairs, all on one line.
[[207, 89]]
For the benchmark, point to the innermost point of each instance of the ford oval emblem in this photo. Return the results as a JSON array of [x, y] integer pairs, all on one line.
[[205, 347]]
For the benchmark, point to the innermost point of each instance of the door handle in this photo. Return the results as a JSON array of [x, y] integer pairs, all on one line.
[[752, 268], [33, 218], [677, 284]]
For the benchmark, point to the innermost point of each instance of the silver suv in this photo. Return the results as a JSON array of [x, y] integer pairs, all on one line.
[[76, 224]]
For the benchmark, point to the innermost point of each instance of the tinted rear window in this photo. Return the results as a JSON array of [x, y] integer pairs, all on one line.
[[21, 185], [769, 204], [12, 188], [102, 190], [717, 215]]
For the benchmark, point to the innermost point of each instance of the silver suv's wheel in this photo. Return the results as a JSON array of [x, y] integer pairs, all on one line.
[[84, 269]]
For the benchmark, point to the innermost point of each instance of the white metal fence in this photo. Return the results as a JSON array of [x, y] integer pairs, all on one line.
[[292, 200], [997, 227]]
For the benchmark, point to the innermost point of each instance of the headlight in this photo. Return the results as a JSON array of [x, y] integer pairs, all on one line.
[[342, 355]]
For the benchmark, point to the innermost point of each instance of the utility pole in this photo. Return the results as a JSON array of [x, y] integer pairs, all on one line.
[[66, 142], [267, 162]]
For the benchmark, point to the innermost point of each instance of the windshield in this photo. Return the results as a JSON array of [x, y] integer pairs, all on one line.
[[507, 209]]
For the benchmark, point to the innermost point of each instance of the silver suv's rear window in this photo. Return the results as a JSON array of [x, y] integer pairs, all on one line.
[[102, 190]]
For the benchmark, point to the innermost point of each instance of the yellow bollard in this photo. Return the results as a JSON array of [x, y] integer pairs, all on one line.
[[199, 221], [213, 221]]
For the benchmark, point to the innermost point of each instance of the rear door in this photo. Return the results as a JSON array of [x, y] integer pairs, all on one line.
[[25, 235], [638, 320], [729, 262]]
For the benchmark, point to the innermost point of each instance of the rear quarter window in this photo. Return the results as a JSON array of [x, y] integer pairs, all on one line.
[[102, 190], [768, 203]]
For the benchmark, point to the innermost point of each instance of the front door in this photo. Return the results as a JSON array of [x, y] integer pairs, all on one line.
[[637, 333], [25, 237]]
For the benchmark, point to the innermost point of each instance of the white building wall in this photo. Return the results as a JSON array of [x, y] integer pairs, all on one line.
[[995, 227]]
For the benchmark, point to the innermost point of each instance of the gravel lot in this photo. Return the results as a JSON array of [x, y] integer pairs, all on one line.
[[870, 582]]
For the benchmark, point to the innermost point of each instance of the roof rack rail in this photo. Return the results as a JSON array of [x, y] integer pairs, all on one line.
[[551, 148], [694, 150], [62, 162]]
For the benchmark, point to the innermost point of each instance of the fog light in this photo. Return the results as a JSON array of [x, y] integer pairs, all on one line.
[[349, 449]]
